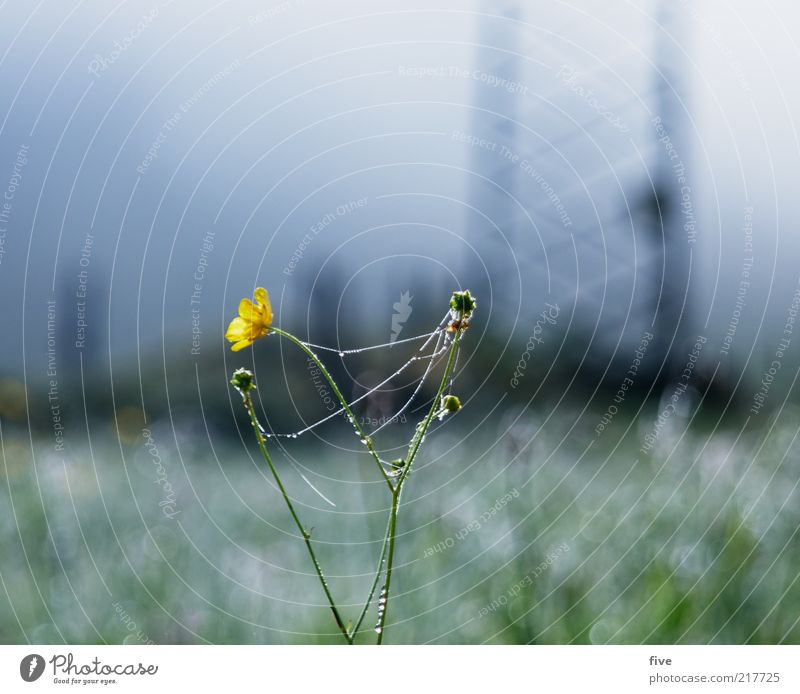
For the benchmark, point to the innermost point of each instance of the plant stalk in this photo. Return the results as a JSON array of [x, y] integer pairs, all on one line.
[[248, 403], [416, 442], [378, 572]]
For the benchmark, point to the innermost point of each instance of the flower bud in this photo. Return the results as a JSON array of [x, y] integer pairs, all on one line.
[[242, 380], [451, 403], [462, 304]]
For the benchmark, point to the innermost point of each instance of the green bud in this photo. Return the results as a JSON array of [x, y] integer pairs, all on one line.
[[462, 305], [451, 403], [242, 380]]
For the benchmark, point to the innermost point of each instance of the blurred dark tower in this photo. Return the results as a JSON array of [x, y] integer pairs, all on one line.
[[493, 180], [597, 227], [673, 315]]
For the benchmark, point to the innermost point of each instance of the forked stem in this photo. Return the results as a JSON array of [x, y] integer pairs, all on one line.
[[413, 448], [462, 306]]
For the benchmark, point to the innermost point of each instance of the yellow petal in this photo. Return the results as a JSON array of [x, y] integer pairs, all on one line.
[[239, 329], [262, 298], [241, 345], [253, 322], [248, 310]]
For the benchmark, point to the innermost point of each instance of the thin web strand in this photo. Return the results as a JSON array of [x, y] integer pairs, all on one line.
[[422, 380], [308, 482], [343, 352], [358, 350], [371, 391]]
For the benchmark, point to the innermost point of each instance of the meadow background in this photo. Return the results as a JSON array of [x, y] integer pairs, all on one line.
[[535, 539]]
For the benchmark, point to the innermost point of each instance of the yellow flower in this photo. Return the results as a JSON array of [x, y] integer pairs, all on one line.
[[253, 321]]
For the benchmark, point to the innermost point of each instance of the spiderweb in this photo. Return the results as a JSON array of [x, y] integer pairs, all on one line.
[[434, 344], [441, 341]]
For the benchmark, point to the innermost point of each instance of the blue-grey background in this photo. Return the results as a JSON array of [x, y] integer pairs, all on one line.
[[632, 165]]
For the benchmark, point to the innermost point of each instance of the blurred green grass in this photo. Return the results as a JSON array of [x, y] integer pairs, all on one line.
[[696, 543]]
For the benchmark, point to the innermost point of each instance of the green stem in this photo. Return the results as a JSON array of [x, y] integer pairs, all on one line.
[[248, 403], [378, 572], [362, 435], [389, 563], [416, 442]]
